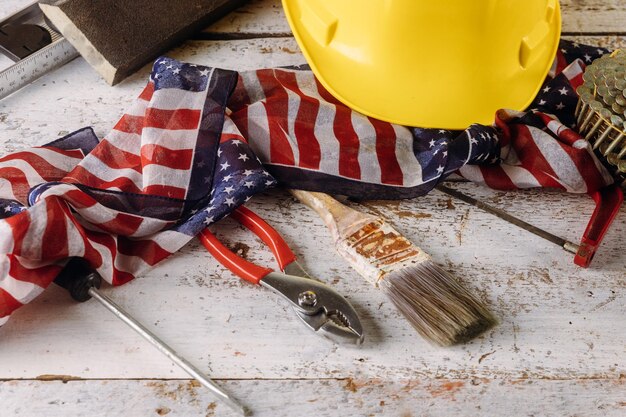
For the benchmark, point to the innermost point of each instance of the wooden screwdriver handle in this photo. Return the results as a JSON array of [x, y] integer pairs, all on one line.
[[340, 219]]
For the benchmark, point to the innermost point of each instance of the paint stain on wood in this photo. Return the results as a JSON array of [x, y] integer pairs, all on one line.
[[191, 387], [485, 355], [162, 411], [414, 215], [520, 381], [462, 225], [210, 409], [542, 274], [350, 385], [62, 378], [354, 386], [391, 205], [383, 208], [162, 390], [447, 388], [182, 390], [241, 249]]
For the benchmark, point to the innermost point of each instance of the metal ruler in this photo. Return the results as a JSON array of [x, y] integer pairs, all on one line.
[[30, 62]]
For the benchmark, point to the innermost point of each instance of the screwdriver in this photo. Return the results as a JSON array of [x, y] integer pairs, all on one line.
[[608, 202], [565, 244], [83, 283]]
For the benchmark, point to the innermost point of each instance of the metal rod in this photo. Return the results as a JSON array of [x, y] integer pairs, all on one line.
[[167, 351], [565, 244], [594, 129]]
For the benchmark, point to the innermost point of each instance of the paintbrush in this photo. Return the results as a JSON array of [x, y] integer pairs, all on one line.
[[437, 305]]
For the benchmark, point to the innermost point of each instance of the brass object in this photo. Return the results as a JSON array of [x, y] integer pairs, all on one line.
[[601, 111]]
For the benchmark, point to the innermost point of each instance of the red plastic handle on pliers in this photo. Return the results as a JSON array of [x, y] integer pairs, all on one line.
[[608, 202], [239, 266], [283, 254]]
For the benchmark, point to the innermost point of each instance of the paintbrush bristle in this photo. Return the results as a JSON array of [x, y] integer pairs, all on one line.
[[436, 304]]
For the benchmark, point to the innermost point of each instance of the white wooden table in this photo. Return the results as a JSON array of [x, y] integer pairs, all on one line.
[[559, 350]]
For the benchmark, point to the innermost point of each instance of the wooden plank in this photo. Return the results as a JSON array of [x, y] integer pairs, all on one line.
[[326, 398], [556, 320], [558, 351], [593, 16], [266, 17], [231, 329]]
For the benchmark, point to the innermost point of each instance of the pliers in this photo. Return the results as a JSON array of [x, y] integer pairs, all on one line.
[[319, 307]]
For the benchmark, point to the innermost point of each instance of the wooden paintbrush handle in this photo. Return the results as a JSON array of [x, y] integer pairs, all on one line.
[[340, 219], [367, 242]]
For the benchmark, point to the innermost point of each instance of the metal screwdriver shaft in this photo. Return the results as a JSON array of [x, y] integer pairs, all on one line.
[[82, 283], [167, 351], [565, 244]]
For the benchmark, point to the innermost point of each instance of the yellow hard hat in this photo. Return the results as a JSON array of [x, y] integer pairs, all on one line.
[[444, 64]]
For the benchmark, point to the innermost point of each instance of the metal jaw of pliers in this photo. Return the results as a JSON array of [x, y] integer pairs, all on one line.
[[320, 308]]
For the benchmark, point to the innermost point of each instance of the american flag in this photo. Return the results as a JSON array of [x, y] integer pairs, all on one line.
[[200, 141], [307, 139], [172, 165]]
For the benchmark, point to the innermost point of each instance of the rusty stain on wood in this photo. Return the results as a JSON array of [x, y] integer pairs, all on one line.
[[162, 411], [163, 390], [462, 225], [383, 208], [414, 215], [241, 249], [63, 378], [210, 409], [350, 385], [542, 273], [289, 50], [485, 355], [447, 388]]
